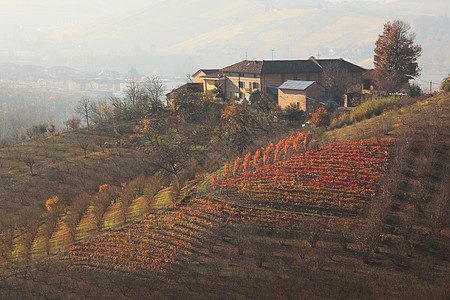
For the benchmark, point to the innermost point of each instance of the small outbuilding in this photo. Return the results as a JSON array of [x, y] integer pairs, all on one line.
[[300, 93]]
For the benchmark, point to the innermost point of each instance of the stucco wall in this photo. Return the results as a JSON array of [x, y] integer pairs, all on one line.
[[196, 77], [286, 97], [248, 81]]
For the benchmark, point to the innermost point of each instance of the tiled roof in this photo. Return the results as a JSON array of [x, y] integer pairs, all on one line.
[[187, 87], [207, 71], [273, 67], [342, 63], [289, 67], [296, 85], [245, 66], [216, 75]]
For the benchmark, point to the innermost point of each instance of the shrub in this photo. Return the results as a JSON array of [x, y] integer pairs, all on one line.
[[330, 107], [52, 203], [321, 117], [413, 90], [73, 123], [445, 86], [374, 106], [293, 112]]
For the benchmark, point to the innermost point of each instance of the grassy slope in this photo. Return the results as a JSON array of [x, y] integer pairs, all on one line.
[[290, 267]]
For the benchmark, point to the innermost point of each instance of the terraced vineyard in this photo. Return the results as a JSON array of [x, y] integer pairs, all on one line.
[[338, 179], [157, 240], [272, 196]]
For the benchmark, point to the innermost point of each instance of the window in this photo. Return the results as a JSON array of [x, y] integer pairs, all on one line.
[[255, 75], [255, 86], [241, 84], [231, 95], [354, 78], [231, 83], [367, 84], [230, 74], [241, 75]]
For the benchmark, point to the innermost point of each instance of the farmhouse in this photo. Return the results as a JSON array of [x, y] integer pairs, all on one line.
[[239, 80]]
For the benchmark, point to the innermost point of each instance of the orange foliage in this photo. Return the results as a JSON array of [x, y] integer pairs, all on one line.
[[103, 187], [257, 157], [269, 149], [246, 161], [52, 203], [225, 169], [236, 166]]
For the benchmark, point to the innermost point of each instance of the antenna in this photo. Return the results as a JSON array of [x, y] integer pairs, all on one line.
[[272, 53], [245, 54], [318, 54]]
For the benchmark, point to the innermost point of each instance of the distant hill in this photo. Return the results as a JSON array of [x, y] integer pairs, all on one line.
[[159, 39]]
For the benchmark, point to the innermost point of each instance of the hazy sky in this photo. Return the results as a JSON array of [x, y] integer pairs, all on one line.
[[172, 37]]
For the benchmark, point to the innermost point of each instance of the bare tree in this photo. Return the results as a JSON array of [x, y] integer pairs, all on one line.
[[133, 92], [85, 109], [154, 89], [84, 145], [101, 143], [189, 78], [30, 162]]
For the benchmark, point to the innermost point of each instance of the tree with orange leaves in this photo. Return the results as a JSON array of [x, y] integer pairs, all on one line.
[[257, 157], [225, 169], [278, 148], [320, 117], [214, 181], [269, 150], [236, 166], [246, 162], [395, 57]]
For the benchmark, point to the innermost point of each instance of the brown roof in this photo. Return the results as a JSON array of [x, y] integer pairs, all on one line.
[[273, 67], [341, 62], [289, 67], [216, 75], [245, 66], [206, 71], [187, 87]]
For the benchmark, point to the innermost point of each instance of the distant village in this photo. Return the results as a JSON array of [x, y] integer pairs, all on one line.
[[65, 78]]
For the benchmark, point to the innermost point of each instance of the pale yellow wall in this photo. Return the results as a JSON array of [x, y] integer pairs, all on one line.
[[209, 85], [196, 77], [286, 97], [232, 84]]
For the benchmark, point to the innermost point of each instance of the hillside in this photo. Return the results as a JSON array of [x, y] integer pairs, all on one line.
[[355, 212]]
